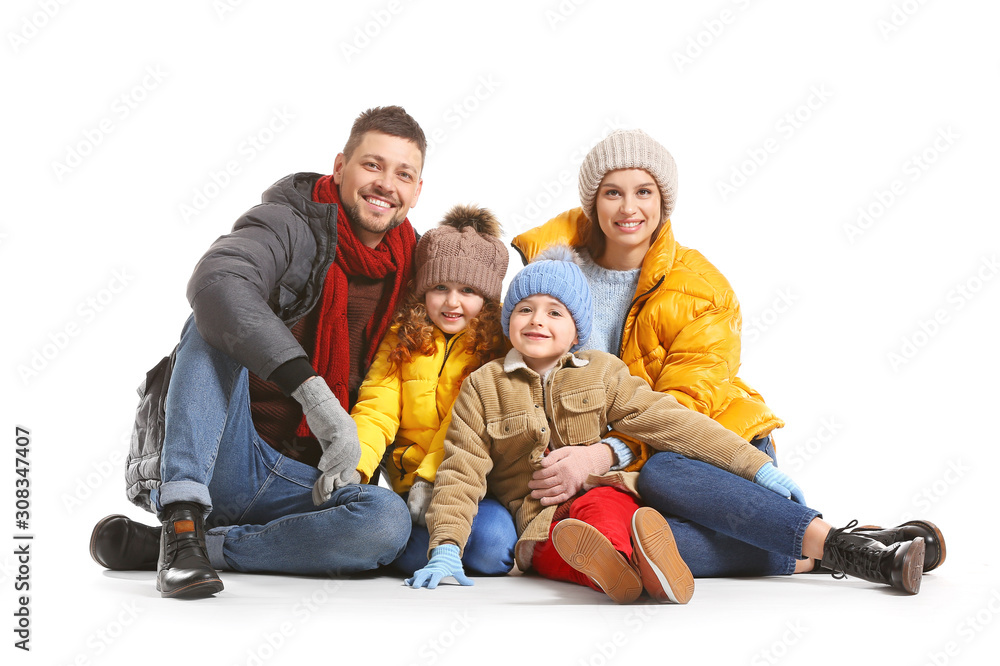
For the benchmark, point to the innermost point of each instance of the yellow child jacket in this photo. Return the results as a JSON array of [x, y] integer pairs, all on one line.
[[410, 407], [682, 333]]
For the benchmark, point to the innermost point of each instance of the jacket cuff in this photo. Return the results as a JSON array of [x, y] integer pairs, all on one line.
[[289, 375]]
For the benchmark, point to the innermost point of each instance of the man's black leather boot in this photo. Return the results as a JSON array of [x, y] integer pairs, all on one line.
[[121, 544], [934, 548], [900, 565], [183, 570]]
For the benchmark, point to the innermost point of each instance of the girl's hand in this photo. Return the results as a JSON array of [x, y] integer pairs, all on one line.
[[418, 500]]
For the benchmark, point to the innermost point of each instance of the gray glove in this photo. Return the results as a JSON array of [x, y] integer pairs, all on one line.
[[419, 499], [332, 426], [328, 482]]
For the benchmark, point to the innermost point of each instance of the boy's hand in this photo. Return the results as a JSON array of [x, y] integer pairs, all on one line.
[[444, 562], [564, 471]]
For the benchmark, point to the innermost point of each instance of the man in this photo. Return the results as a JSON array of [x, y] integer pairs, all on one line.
[[252, 439]]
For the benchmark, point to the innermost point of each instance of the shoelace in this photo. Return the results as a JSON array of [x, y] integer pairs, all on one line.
[[840, 562]]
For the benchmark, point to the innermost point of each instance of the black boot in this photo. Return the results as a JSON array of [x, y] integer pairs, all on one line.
[[934, 548], [121, 544], [183, 570], [852, 553]]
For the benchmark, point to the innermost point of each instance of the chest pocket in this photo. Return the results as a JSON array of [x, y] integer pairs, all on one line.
[[513, 437], [580, 417]]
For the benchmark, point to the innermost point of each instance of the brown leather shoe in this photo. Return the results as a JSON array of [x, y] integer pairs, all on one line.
[[589, 552], [121, 544], [665, 576]]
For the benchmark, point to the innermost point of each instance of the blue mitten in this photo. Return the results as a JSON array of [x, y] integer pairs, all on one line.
[[771, 478], [444, 562]]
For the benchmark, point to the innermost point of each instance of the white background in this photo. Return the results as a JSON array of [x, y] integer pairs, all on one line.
[[118, 115]]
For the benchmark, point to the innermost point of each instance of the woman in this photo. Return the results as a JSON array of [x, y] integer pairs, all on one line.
[[673, 318]]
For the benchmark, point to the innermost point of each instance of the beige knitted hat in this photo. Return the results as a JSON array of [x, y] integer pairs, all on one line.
[[628, 149], [465, 248]]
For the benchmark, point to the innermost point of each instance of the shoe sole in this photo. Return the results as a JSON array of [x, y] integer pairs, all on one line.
[[93, 537], [198, 590], [589, 552], [930, 527], [912, 570], [664, 573]]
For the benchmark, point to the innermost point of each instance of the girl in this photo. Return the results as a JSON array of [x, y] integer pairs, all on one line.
[[448, 327]]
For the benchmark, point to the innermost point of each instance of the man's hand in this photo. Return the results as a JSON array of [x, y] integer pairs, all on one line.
[[565, 470], [328, 482], [331, 425]]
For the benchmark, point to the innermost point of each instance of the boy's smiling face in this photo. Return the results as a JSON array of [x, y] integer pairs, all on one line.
[[542, 329]]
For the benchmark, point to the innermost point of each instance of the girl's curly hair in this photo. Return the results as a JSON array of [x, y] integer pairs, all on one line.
[[416, 334]]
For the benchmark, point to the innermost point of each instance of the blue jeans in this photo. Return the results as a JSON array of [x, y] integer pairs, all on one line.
[[258, 502], [489, 551], [725, 525]]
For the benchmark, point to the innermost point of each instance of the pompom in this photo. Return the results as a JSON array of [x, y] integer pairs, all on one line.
[[481, 220], [558, 252]]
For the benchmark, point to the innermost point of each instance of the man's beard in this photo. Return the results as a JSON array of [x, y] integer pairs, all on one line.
[[357, 219]]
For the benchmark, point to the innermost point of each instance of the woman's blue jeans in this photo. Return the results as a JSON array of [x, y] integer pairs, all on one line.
[[488, 552], [258, 502], [725, 525]]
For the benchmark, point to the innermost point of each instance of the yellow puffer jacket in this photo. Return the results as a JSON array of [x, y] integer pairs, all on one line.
[[682, 334], [409, 406]]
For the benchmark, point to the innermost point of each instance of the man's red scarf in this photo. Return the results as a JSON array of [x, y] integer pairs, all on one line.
[[392, 257]]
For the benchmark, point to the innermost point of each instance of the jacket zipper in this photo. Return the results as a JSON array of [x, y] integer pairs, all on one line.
[[447, 351], [621, 345]]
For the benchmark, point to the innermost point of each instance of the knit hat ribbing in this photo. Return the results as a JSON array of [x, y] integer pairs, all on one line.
[[629, 149], [464, 248], [554, 272]]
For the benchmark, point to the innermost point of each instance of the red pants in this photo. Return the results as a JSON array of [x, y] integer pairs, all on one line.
[[609, 511]]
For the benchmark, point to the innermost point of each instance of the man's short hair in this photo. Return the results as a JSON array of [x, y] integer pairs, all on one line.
[[391, 120]]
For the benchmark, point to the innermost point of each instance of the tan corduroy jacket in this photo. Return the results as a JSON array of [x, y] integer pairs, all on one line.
[[503, 422]]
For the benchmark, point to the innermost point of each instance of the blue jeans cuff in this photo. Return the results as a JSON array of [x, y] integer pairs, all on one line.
[[183, 491], [215, 539]]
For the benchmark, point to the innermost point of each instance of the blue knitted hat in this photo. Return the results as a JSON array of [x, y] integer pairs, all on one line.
[[555, 272]]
